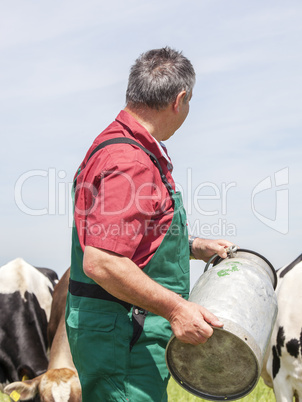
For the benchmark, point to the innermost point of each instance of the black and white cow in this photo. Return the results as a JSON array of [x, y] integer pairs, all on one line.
[[25, 305], [282, 369], [60, 383]]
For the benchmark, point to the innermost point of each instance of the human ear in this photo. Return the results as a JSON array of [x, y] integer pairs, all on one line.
[[179, 100]]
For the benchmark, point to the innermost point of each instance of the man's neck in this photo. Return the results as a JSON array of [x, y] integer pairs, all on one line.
[[156, 122]]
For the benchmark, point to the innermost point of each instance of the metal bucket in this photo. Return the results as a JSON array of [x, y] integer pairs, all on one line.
[[239, 290]]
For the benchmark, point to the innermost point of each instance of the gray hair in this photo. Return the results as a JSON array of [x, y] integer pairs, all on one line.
[[157, 77]]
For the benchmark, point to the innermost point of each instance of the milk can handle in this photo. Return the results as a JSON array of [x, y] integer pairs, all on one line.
[[230, 252]]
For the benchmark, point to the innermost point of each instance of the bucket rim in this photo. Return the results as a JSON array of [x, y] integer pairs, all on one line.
[[206, 395], [218, 259]]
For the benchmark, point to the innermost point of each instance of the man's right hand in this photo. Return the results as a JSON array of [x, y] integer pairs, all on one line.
[[190, 322]]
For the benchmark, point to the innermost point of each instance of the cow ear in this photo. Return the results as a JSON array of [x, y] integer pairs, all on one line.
[[22, 390]]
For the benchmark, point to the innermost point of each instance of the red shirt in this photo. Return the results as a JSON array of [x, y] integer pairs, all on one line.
[[121, 203]]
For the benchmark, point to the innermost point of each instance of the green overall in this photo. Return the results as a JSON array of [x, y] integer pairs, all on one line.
[[101, 328]]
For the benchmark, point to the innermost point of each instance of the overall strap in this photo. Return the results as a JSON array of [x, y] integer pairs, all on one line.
[[125, 140], [96, 291]]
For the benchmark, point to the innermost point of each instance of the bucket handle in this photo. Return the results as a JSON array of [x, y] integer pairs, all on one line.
[[231, 251]]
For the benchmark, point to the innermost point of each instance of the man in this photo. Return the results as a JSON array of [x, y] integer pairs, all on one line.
[[130, 250]]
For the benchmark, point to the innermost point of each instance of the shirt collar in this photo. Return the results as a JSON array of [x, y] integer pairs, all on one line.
[[144, 137], [163, 149]]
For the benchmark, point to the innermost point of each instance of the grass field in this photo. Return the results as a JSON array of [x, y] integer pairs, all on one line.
[[260, 394], [4, 398], [177, 394]]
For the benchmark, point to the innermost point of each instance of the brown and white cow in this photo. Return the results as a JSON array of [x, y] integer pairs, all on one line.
[[60, 383], [282, 369]]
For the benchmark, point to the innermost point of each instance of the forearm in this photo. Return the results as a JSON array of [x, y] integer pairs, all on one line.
[[123, 279], [126, 281]]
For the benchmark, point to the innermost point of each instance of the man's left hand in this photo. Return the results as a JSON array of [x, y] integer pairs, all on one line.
[[204, 249]]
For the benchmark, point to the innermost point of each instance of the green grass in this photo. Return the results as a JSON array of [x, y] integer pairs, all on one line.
[[260, 394], [177, 394], [4, 398]]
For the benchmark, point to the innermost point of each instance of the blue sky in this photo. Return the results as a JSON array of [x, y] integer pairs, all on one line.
[[63, 75]]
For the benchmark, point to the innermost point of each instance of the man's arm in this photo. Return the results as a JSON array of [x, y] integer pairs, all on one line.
[[126, 281]]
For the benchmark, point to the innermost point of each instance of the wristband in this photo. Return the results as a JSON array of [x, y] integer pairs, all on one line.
[[191, 239]]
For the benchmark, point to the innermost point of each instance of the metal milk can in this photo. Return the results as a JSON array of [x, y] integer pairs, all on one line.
[[239, 290]]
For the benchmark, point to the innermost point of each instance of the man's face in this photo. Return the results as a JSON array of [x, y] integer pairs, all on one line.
[[178, 115], [184, 108]]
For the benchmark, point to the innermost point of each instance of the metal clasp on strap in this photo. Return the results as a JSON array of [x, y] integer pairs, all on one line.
[[138, 320]]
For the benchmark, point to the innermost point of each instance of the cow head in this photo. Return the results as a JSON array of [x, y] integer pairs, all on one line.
[[56, 385]]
